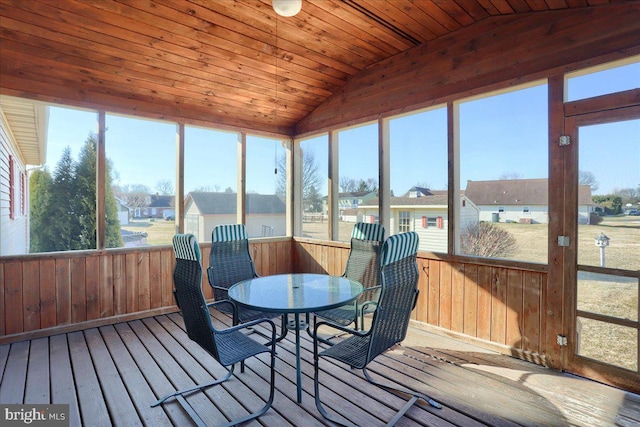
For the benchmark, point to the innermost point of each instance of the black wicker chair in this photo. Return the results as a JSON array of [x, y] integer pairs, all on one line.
[[363, 265], [228, 346], [399, 281], [229, 263]]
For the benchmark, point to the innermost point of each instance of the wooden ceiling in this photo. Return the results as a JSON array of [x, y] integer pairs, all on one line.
[[219, 62]]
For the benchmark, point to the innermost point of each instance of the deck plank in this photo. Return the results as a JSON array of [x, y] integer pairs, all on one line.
[[63, 387], [38, 386], [249, 390], [121, 408], [151, 373], [14, 379], [111, 375], [138, 389], [174, 372], [93, 407]]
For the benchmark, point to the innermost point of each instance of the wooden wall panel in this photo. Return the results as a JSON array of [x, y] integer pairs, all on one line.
[[499, 306], [13, 285], [514, 308], [445, 295], [106, 286], [433, 313], [144, 292], [483, 323], [155, 279], [63, 291], [457, 297], [92, 289], [47, 293], [503, 305], [470, 326], [78, 290], [31, 294], [531, 313], [119, 284]]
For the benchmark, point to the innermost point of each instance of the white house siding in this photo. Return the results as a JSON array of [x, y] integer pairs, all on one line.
[[584, 214], [201, 226], [14, 233], [432, 238], [537, 214]]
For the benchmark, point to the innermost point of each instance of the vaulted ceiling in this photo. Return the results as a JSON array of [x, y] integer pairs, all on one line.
[[233, 63]]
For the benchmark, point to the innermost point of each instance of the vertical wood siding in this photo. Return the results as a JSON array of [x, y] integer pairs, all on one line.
[[51, 290], [501, 305]]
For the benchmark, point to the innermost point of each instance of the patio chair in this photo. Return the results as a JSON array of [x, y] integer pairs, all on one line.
[[363, 266], [398, 296], [228, 346], [229, 263]]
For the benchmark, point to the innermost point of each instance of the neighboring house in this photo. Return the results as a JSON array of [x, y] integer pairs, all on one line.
[[157, 207], [123, 211], [266, 214], [23, 139], [521, 200], [348, 201], [426, 213]]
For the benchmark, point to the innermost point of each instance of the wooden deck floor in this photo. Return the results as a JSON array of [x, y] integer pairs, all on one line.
[[110, 376]]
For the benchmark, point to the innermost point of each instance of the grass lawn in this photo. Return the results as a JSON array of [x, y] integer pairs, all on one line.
[[159, 231]]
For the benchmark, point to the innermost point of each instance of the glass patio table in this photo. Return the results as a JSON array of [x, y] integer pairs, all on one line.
[[295, 294]]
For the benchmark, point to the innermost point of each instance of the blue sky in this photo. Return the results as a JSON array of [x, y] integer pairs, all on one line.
[[512, 127]]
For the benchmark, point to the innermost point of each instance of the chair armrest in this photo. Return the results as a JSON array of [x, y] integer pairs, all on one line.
[[337, 326], [250, 324], [234, 309], [365, 304]]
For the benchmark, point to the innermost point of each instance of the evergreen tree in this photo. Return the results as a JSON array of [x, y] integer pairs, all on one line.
[[86, 199], [113, 237], [70, 198], [40, 187], [65, 228]]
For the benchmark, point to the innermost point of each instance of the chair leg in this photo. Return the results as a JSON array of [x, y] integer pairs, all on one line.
[[180, 393], [316, 389], [179, 396], [415, 396]]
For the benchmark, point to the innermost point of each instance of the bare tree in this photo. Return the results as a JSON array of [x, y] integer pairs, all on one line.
[[135, 196], [207, 189], [311, 178], [487, 240], [348, 185], [164, 187], [588, 178], [511, 175]]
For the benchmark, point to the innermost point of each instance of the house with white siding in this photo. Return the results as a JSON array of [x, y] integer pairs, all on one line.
[[265, 217], [425, 212], [521, 200], [348, 203], [23, 138]]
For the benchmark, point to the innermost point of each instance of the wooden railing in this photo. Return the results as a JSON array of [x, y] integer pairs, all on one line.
[[496, 303], [50, 293]]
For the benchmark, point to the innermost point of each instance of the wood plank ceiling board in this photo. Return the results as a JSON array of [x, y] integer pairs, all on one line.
[[226, 64]]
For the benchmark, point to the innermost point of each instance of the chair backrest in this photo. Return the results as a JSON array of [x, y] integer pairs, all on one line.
[[230, 260], [187, 279], [363, 263], [399, 279]]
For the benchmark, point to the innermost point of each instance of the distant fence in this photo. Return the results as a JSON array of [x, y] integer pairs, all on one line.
[[313, 218]]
